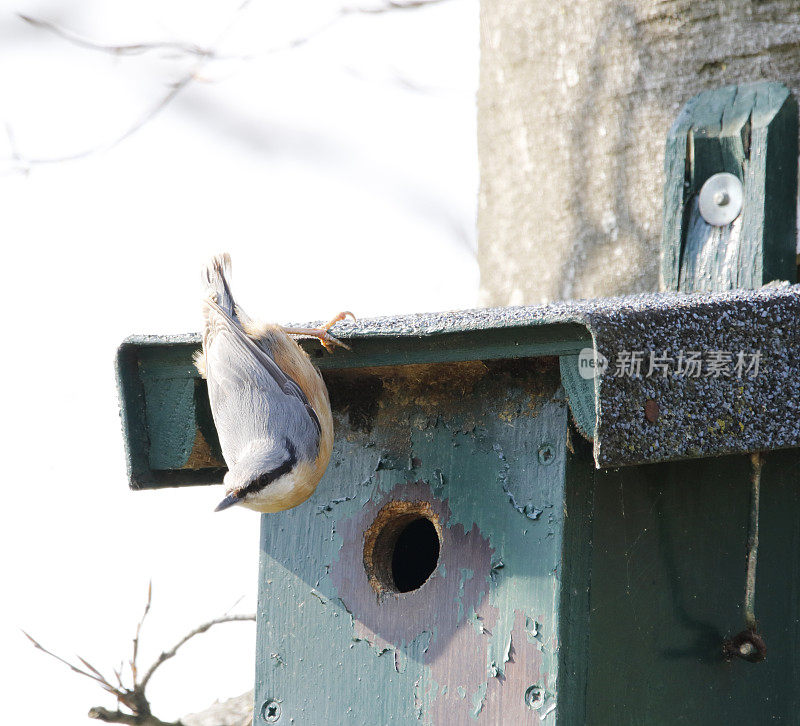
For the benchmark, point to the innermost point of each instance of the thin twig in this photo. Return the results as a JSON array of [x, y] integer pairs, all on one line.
[[134, 698], [167, 654], [202, 54], [121, 694], [119, 50], [139, 630], [238, 600], [392, 5]]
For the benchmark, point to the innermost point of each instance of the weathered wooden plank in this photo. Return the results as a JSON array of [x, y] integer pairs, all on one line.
[[576, 569], [581, 394], [169, 432], [749, 131], [667, 584], [484, 447], [166, 418]]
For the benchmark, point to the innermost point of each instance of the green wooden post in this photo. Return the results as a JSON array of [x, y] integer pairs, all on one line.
[[749, 131], [668, 569]]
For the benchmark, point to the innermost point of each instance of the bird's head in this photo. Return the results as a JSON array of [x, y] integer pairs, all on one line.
[[262, 480]]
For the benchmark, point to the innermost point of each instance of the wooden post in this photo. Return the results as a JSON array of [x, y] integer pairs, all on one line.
[[749, 131]]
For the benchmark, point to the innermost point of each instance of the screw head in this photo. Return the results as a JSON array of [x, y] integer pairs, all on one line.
[[546, 454], [747, 645], [271, 711], [720, 199], [534, 697]]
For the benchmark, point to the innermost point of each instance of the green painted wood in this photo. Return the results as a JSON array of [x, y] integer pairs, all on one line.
[[132, 413], [581, 394], [750, 131], [167, 421], [169, 433], [485, 445], [498, 343], [667, 584], [576, 569]]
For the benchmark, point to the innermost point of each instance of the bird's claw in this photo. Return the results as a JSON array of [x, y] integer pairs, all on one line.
[[327, 339], [338, 318], [329, 342]]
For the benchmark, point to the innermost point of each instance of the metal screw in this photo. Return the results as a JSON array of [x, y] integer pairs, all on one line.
[[546, 454], [720, 199], [271, 711], [746, 650], [747, 645], [534, 698]]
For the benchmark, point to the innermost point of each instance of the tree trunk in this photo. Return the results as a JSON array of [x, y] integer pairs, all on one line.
[[575, 101]]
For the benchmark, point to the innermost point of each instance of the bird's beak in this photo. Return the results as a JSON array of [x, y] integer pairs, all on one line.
[[229, 501]]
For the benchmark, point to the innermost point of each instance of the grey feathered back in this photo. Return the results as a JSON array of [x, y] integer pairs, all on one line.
[[257, 408]]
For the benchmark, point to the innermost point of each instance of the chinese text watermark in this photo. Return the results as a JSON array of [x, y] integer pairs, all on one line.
[[659, 364]]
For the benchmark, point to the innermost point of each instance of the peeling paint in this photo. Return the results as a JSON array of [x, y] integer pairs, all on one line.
[[328, 507], [459, 645], [533, 631], [477, 623], [466, 574], [477, 700]]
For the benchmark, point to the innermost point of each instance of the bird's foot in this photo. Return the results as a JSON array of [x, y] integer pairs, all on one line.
[[322, 334], [338, 319]]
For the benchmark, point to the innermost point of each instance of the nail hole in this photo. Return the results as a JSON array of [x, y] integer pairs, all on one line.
[[401, 547]]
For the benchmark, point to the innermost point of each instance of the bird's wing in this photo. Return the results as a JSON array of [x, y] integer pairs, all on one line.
[[248, 389]]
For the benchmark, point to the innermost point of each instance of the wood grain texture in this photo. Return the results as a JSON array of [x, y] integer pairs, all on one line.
[[667, 586], [750, 131], [466, 646]]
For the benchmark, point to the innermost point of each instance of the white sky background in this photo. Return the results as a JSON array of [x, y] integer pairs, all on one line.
[[340, 174]]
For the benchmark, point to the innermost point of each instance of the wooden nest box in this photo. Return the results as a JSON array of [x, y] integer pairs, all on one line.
[[502, 538]]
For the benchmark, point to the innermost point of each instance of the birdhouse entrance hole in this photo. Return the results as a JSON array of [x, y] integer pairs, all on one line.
[[401, 547]]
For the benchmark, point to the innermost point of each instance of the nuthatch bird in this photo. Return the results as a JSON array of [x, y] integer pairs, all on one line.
[[269, 402]]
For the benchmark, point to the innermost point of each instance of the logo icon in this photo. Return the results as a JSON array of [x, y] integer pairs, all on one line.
[[591, 363]]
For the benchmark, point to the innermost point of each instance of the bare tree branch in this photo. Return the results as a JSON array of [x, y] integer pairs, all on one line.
[[119, 50], [238, 600], [392, 6], [202, 54], [166, 655], [134, 697], [98, 677], [139, 630], [103, 714]]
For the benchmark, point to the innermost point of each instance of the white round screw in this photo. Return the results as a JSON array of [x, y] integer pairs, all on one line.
[[721, 199]]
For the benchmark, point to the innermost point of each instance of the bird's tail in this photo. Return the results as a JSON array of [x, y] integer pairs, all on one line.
[[217, 296], [215, 278]]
